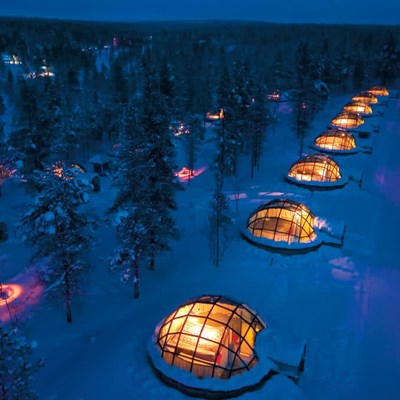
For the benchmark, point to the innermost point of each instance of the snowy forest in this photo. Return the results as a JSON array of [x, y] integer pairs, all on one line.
[[116, 141]]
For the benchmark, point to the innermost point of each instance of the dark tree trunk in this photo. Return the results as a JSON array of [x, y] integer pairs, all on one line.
[[67, 281], [152, 251], [136, 279], [3, 393], [217, 227]]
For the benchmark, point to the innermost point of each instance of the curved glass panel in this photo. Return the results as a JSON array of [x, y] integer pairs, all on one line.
[[283, 220], [211, 336], [336, 140], [347, 120], [315, 168]]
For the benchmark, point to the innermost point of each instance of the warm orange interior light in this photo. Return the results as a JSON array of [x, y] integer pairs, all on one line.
[[182, 129], [366, 98], [379, 91], [274, 96], [358, 107], [218, 115], [198, 329]]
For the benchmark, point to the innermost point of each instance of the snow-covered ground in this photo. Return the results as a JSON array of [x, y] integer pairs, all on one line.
[[343, 302]]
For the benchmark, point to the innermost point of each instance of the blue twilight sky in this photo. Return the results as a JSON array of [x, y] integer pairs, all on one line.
[[385, 12]]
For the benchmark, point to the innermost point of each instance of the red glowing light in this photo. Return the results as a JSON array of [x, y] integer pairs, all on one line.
[[185, 174], [8, 293], [16, 298]]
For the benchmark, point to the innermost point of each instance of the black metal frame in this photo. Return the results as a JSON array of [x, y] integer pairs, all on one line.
[[342, 140], [310, 166], [367, 109], [378, 90], [353, 120], [280, 226], [366, 97], [169, 341]]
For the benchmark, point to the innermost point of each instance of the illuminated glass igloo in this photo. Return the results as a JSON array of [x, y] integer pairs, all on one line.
[[347, 120], [365, 97], [282, 224], [316, 170], [210, 336], [378, 91], [336, 141], [358, 107]]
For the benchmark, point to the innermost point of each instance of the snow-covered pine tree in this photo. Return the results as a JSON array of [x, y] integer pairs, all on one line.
[[258, 121], [233, 131], [191, 140], [167, 85], [220, 220], [162, 182], [242, 101], [132, 200], [59, 230], [389, 61], [220, 215], [17, 368], [134, 239]]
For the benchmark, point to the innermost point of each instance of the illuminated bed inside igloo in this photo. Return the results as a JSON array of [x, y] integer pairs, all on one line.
[[207, 348]]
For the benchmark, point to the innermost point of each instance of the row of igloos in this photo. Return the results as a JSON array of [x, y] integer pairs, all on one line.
[[289, 226], [320, 170], [214, 336]]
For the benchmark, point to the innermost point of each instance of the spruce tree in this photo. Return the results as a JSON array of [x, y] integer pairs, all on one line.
[[17, 368], [59, 230], [134, 212], [162, 182]]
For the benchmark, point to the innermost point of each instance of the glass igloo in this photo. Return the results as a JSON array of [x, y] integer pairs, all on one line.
[[358, 107], [282, 223], [316, 170], [337, 141], [365, 97], [347, 120], [378, 91], [210, 336]]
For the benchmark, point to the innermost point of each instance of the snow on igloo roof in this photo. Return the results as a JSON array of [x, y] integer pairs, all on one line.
[[210, 336]]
